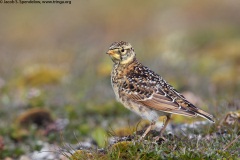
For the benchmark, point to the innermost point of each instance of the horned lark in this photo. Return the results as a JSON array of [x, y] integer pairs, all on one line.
[[144, 92]]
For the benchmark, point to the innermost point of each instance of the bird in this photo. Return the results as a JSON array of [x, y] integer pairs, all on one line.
[[144, 92]]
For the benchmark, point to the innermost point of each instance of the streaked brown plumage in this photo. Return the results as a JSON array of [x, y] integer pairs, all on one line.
[[145, 92]]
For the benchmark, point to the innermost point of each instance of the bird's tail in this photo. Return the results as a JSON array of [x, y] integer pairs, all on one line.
[[205, 115]]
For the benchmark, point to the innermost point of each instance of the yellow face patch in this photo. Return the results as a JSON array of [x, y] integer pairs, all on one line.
[[114, 54]]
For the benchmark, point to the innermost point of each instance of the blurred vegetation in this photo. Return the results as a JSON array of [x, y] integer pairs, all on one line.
[[52, 60]]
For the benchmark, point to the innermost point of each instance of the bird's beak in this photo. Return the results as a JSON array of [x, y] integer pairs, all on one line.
[[110, 52], [113, 54]]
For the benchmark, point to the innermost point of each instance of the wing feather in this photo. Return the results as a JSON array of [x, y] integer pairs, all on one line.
[[157, 102]]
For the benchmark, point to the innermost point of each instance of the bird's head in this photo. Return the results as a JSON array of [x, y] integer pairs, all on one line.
[[121, 52]]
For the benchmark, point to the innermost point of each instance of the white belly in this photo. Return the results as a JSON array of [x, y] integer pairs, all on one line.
[[142, 111]]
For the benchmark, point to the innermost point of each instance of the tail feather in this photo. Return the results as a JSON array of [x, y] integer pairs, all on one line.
[[205, 115]]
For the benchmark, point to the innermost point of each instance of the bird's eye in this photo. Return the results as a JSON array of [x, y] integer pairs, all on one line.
[[122, 50]]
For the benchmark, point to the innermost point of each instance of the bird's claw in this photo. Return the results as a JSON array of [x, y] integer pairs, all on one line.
[[159, 139]]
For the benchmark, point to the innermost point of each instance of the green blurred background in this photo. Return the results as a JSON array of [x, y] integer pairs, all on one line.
[[53, 57]]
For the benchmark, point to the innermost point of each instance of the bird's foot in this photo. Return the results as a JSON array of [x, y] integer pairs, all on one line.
[[141, 139], [159, 139]]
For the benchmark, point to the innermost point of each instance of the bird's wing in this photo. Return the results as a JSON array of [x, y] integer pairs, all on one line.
[[156, 94], [160, 101]]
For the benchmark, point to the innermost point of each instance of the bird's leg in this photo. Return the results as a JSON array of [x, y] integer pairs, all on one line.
[[147, 130], [165, 125], [163, 128]]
